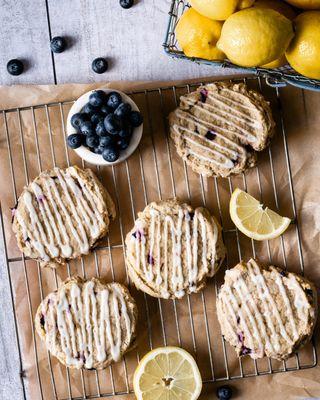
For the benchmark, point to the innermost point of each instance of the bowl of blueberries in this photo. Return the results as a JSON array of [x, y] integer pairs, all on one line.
[[104, 127]]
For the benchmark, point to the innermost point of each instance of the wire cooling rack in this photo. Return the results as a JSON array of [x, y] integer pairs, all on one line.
[[275, 77], [153, 172]]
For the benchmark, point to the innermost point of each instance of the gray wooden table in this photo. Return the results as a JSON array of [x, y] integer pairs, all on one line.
[[130, 39]]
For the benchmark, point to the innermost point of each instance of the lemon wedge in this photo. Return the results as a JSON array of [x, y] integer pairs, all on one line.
[[167, 373], [255, 220]]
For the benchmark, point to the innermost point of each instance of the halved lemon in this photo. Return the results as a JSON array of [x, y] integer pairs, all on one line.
[[254, 219], [167, 373]]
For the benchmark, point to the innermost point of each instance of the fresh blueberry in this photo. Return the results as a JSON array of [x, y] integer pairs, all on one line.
[[110, 154], [112, 124], [98, 149], [106, 141], [224, 392], [92, 141], [123, 143], [135, 118], [126, 3], [106, 109], [114, 100], [126, 131], [58, 44], [77, 119], [97, 98], [15, 67], [75, 140], [87, 128], [100, 129], [89, 109], [123, 110], [99, 65], [97, 117]]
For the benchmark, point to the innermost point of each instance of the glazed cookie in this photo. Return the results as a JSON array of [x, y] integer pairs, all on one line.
[[172, 249], [61, 215], [86, 323], [218, 128], [266, 311]]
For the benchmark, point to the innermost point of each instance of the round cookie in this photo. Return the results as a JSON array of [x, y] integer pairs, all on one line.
[[61, 215], [218, 128], [266, 311], [86, 323], [172, 249]]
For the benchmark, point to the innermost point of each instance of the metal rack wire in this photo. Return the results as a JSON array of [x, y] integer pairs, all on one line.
[[153, 172], [277, 77]]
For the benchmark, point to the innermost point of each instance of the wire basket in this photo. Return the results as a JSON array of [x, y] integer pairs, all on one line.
[[277, 77], [153, 172]]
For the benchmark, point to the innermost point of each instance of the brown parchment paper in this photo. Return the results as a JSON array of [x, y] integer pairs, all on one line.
[[33, 140]]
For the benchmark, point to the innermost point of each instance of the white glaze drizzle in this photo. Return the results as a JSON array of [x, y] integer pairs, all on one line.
[[225, 118], [55, 215], [85, 335], [261, 319], [162, 229]]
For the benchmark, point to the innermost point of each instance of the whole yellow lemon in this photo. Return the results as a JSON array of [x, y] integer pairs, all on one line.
[[303, 53], [279, 62], [198, 35], [305, 4], [219, 9], [255, 36], [280, 6]]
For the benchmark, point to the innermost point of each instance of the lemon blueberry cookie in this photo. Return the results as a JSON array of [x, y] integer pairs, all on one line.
[[266, 311], [218, 128], [61, 215], [86, 323], [172, 249]]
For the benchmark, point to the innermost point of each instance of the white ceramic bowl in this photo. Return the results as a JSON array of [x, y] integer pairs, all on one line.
[[88, 155]]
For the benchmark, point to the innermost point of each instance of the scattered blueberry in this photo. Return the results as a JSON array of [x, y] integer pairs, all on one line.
[[111, 123], [135, 118], [106, 141], [99, 65], [58, 44], [89, 109], [87, 128], [114, 100], [100, 129], [123, 110], [77, 119], [110, 154], [123, 143], [96, 118], [75, 140], [15, 67], [126, 3], [92, 141], [97, 98], [106, 109], [224, 392]]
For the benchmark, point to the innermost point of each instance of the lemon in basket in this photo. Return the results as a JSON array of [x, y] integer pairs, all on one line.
[[280, 6], [305, 4], [303, 53], [167, 373], [253, 219], [279, 62], [255, 36], [198, 35], [219, 9]]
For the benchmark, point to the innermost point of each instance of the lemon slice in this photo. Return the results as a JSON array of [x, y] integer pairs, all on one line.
[[167, 373], [255, 220]]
